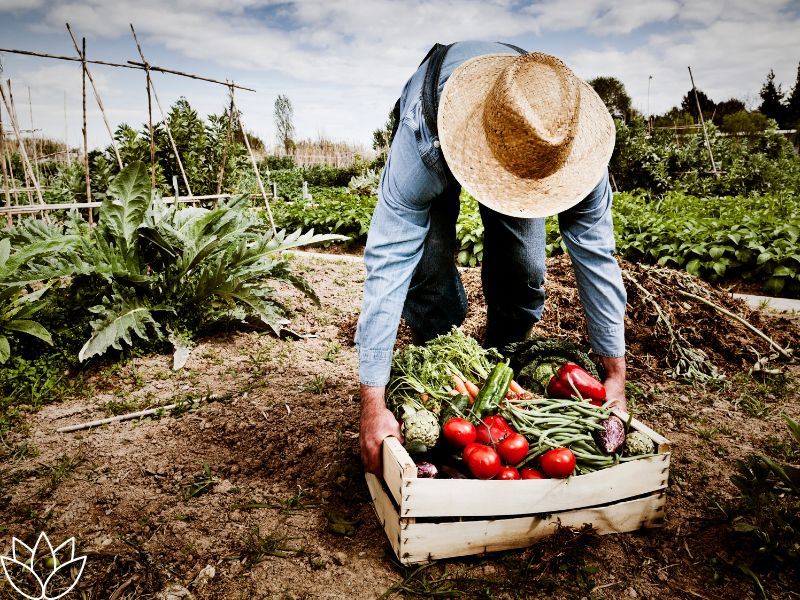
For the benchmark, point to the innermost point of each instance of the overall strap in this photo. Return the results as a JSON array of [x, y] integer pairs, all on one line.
[[430, 87]]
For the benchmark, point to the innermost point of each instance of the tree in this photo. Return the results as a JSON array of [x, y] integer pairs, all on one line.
[[284, 122], [744, 122], [772, 100], [727, 107], [612, 92], [793, 104], [707, 105], [674, 117]]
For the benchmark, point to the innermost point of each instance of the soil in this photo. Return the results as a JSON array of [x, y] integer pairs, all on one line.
[[258, 492]]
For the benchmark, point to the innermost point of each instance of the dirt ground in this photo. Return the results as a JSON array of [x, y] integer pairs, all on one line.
[[258, 492]]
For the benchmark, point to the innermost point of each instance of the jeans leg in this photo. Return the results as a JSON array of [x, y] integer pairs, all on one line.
[[436, 300], [512, 275]]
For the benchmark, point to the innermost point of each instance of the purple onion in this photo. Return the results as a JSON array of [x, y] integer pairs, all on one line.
[[613, 435], [426, 470]]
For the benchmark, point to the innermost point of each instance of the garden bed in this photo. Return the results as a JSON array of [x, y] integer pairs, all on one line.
[[282, 509]]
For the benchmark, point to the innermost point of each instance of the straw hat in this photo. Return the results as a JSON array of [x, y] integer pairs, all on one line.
[[523, 134]]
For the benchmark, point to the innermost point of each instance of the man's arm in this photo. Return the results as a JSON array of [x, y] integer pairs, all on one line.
[[394, 247], [377, 423], [588, 231]]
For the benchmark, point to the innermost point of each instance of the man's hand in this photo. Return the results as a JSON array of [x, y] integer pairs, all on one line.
[[615, 381], [377, 423]]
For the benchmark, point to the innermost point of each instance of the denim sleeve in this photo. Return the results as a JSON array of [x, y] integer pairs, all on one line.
[[588, 231], [395, 242]]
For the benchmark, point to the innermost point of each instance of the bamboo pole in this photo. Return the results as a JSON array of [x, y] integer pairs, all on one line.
[[20, 140], [131, 65], [23, 153], [164, 118], [703, 123], [33, 138], [149, 113], [86, 139], [88, 74], [6, 183], [255, 167]]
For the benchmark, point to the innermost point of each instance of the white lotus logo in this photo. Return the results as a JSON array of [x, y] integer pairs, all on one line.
[[26, 568]]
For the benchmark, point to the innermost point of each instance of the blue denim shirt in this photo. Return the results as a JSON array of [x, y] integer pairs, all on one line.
[[414, 174]]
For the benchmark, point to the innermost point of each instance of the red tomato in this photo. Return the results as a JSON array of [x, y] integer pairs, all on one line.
[[491, 430], [470, 448], [528, 473], [483, 462], [558, 462], [508, 473], [513, 448], [459, 432]]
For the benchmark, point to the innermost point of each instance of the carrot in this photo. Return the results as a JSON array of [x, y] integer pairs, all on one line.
[[515, 387], [472, 389], [459, 385]]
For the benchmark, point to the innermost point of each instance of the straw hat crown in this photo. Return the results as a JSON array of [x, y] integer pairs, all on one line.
[[530, 115], [523, 134]]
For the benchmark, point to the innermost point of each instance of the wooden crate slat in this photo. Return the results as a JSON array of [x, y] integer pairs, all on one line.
[[385, 510], [472, 497], [422, 542], [398, 468]]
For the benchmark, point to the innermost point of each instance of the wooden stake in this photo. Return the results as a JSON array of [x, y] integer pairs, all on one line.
[[86, 140], [131, 65], [23, 153], [166, 122], [33, 137], [255, 167], [15, 119], [6, 183], [149, 113], [88, 73], [703, 123]]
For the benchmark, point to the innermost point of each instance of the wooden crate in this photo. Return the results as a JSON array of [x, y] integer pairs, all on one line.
[[427, 519]]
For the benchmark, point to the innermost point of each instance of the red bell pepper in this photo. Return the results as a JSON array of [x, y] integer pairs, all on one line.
[[572, 378]]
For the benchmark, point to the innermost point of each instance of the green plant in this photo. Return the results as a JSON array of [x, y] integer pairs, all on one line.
[[331, 210], [768, 512], [202, 483]]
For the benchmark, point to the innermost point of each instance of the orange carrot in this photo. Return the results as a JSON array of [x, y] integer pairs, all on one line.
[[473, 390], [459, 385], [515, 387]]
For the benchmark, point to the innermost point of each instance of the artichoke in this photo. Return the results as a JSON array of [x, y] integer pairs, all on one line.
[[421, 430], [637, 443]]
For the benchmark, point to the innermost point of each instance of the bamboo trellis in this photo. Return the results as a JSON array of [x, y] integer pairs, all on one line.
[[32, 181]]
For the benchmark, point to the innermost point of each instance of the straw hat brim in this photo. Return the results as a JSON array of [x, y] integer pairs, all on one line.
[[470, 159]]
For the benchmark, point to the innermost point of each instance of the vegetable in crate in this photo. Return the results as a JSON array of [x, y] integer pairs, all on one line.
[[459, 432], [482, 461], [426, 470], [568, 380], [638, 444], [527, 355], [612, 436], [421, 430], [558, 462]]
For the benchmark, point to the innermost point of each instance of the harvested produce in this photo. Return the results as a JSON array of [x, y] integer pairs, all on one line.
[[421, 430], [508, 474], [560, 422], [558, 463], [526, 356], [422, 376], [482, 461], [426, 470], [638, 444], [459, 432], [493, 390], [455, 406], [569, 380], [492, 429], [513, 449], [612, 436], [528, 473]]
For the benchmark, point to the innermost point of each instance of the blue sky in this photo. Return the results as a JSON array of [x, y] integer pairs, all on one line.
[[343, 62]]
